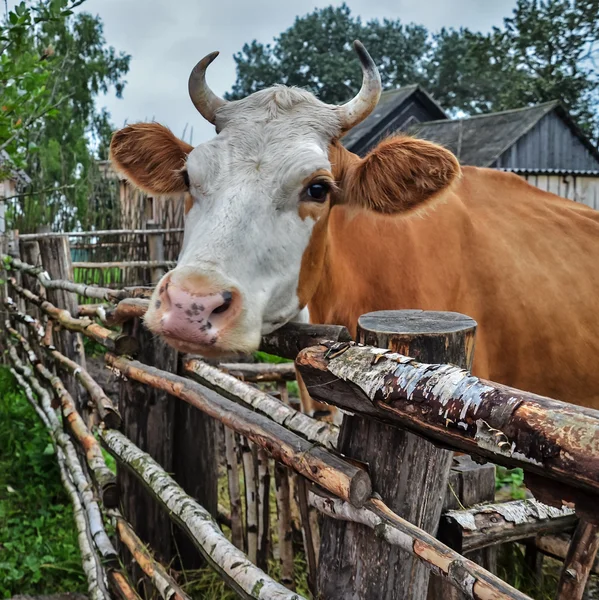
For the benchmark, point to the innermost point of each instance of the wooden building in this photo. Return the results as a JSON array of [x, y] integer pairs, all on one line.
[[12, 181], [540, 143]]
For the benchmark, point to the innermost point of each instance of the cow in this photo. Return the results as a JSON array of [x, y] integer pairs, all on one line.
[[283, 223]]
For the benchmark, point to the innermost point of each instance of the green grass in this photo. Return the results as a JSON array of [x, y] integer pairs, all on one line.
[[513, 480], [38, 542]]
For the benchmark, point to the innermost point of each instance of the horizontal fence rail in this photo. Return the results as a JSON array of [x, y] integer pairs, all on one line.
[[99, 233], [552, 441]]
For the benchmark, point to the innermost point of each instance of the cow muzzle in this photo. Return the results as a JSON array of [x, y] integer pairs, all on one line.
[[194, 314]]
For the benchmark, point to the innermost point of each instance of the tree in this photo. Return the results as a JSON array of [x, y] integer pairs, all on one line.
[[544, 51], [58, 133], [316, 53]]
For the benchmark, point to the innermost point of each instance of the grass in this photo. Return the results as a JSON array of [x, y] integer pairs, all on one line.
[[38, 542]]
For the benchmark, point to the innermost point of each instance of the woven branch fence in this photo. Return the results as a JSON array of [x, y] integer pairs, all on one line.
[[295, 486]]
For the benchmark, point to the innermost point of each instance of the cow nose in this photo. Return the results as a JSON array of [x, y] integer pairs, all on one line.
[[197, 316]]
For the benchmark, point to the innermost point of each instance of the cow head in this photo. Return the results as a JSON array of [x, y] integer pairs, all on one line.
[[259, 196]]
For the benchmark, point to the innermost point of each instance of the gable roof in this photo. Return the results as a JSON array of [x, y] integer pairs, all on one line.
[[480, 140], [17, 174], [383, 114]]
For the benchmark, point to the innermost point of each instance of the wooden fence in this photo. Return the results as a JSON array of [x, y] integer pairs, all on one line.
[[361, 504]]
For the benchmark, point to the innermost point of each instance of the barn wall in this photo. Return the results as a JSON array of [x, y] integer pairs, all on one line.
[[583, 189], [550, 144]]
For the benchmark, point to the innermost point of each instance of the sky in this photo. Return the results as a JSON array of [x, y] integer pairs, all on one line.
[[167, 38]]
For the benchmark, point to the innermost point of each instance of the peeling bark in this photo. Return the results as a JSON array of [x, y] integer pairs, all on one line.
[[314, 462], [232, 565], [456, 410], [473, 581], [227, 385]]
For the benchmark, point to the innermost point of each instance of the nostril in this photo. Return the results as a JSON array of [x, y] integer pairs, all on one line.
[[227, 299]]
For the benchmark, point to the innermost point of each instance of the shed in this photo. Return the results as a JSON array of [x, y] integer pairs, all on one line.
[[540, 143], [397, 110]]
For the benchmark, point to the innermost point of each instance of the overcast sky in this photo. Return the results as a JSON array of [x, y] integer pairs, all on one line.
[[166, 38]]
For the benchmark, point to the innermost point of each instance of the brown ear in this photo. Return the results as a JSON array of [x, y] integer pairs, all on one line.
[[151, 157], [399, 174]]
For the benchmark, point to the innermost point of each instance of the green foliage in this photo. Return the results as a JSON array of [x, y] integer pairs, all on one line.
[[544, 51], [38, 546], [53, 64], [513, 479], [315, 53]]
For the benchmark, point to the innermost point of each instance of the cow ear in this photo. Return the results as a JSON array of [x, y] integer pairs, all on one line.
[[151, 158], [400, 174]]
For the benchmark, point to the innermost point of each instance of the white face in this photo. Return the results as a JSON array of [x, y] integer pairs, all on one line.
[[249, 225]]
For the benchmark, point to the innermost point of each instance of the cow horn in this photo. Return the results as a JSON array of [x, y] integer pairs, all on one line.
[[203, 98], [357, 109]]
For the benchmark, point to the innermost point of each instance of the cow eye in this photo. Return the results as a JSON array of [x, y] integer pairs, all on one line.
[[318, 191]]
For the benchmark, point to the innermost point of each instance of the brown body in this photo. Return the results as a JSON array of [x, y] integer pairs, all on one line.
[[522, 262]]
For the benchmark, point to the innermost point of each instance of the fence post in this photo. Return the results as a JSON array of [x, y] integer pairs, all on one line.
[[156, 251], [408, 472], [56, 260]]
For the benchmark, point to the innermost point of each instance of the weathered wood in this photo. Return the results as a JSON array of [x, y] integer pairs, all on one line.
[[307, 534], [280, 412], [557, 546], [314, 462], [30, 252], [125, 310], [260, 372], [3, 287], [231, 564], [107, 411], [263, 481], [468, 577], [579, 561], [412, 478], [104, 478], [469, 483], [147, 420], [232, 462], [251, 500], [155, 265], [284, 530], [156, 253], [293, 337], [554, 440], [99, 233], [111, 340], [490, 524], [163, 582]]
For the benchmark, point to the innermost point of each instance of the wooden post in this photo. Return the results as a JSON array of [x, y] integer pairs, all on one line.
[[469, 484], [30, 254], [156, 251], [56, 260], [3, 293], [409, 473], [178, 437], [579, 561]]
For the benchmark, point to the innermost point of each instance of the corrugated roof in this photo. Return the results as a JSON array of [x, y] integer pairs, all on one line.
[[389, 102], [482, 139], [580, 172]]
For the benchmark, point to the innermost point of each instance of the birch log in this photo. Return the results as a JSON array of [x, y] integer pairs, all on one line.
[[232, 565], [230, 387], [491, 524], [89, 291], [62, 440], [314, 462], [163, 582], [234, 489], [107, 411], [472, 580], [451, 407], [104, 477], [112, 340], [91, 563]]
